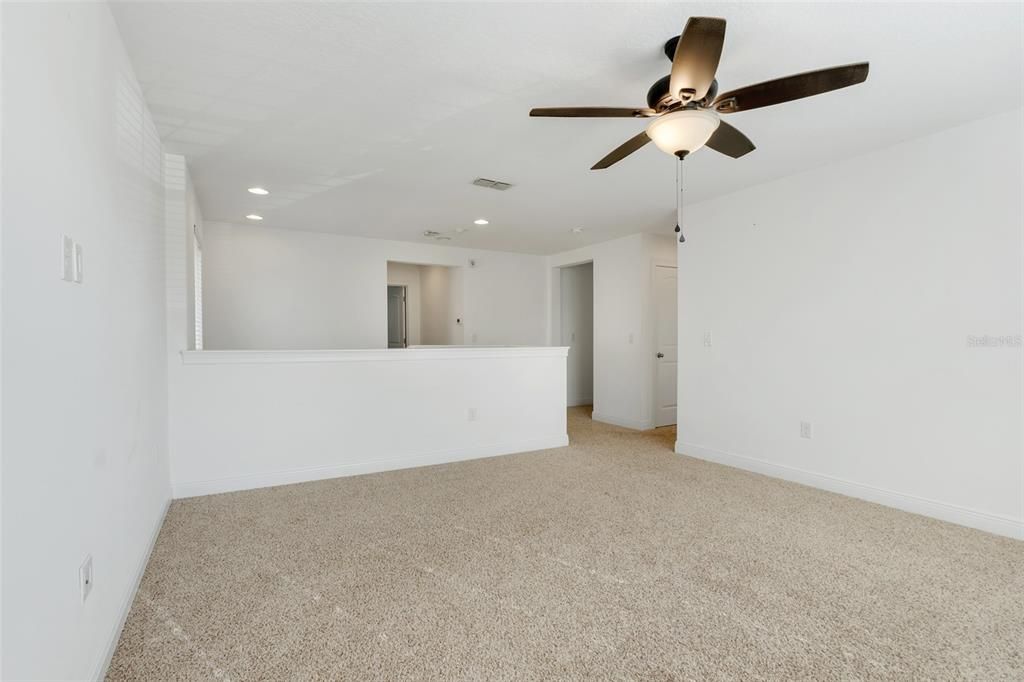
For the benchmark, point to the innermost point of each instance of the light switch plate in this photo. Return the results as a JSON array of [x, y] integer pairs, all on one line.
[[78, 262], [67, 258]]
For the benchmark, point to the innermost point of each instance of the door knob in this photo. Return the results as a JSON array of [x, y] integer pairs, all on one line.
[[661, 355]]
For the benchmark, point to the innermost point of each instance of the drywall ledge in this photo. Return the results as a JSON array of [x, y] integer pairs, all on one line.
[[992, 523], [222, 357], [252, 419]]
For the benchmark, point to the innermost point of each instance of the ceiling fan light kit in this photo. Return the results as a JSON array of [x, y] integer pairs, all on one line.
[[684, 131], [685, 105]]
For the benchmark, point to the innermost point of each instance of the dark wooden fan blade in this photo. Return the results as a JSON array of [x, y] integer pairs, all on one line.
[[593, 112], [696, 58], [622, 151], [791, 87], [730, 141]]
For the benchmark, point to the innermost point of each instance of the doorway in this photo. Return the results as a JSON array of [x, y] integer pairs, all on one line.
[[397, 337], [432, 305], [666, 362], [577, 331]]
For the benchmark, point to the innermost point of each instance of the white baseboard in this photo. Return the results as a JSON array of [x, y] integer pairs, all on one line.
[[303, 475], [634, 424], [964, 516], [580, 400], [100, 671]]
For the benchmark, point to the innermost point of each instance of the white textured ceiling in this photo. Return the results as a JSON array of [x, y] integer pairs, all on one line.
[[372, 119]]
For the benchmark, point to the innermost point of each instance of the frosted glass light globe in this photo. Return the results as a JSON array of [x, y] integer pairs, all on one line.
[[686, 130]]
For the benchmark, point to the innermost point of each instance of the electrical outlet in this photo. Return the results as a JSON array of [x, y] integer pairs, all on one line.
[[708, 340], [806, 430], [471, 414], [67, 258], [85, 577]]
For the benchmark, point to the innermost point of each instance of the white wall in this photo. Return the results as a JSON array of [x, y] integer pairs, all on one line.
[[623, 322], [577, 331], [407, 275], [181, 212], [442, 305], [252, 419], [286, 289], [846, 296], [1, 342], [457, 307], [84, 380]]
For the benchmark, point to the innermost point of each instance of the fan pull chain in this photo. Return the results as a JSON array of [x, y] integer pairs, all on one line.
[[679, 199]]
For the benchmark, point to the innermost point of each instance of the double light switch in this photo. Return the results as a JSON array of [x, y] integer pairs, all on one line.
[[70, 259]]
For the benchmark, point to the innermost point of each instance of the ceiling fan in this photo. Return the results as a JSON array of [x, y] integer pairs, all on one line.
[[685, 105]]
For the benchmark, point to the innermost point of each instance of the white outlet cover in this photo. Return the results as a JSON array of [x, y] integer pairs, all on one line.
[[708, 339], [806, 430]]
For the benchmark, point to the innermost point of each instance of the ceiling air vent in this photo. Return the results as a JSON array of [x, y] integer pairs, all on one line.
[[493, 184]]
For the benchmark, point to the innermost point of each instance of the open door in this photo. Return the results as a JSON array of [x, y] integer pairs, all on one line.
[[577, 331], [396, 317], [666, 351]]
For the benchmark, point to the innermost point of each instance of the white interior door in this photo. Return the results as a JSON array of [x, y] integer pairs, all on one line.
[[666, 353]]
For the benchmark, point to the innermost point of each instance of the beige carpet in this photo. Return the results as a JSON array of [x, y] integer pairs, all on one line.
[[610, 559]]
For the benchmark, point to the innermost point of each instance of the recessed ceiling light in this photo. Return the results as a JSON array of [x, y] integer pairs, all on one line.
[[479, 221], [258, 190], [577, 230], [253, 216]]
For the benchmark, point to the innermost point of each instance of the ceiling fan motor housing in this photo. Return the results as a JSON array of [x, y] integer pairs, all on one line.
[[660, 99], [670, 47]]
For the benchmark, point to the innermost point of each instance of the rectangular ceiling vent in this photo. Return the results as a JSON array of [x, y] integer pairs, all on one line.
[[493, 184]]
